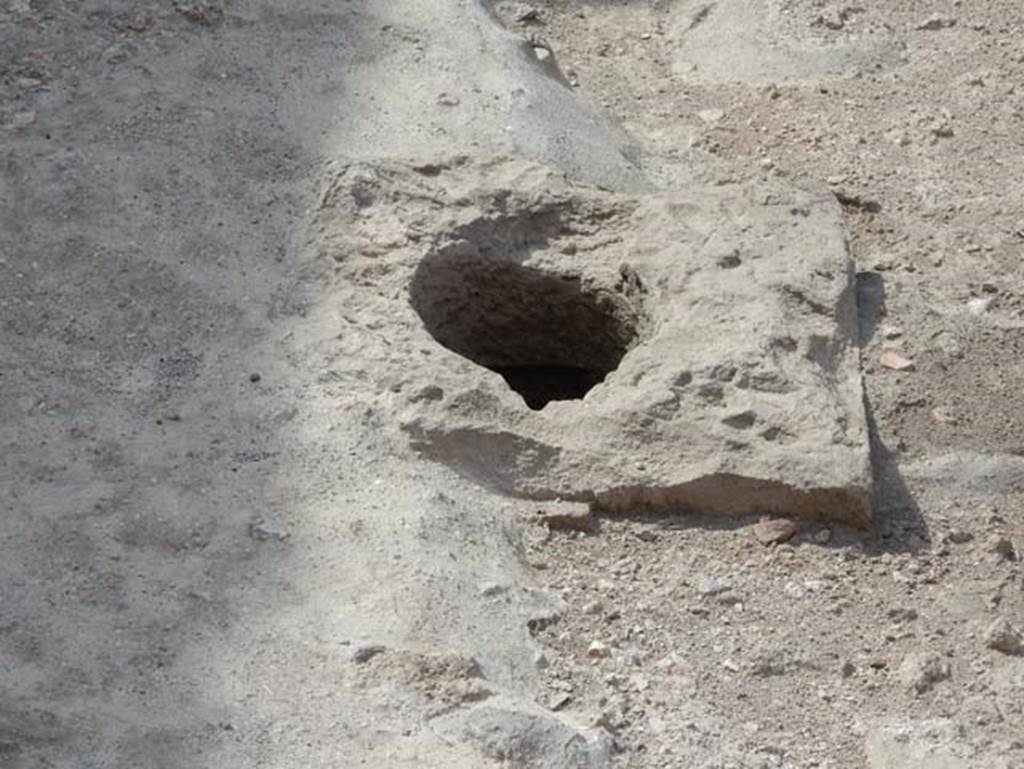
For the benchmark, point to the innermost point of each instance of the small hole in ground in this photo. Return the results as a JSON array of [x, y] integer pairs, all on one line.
[[539, 385], [551, 336]]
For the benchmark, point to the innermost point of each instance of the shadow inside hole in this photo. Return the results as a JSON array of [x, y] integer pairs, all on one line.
[[870, 304], [551, 336], [539, 385]]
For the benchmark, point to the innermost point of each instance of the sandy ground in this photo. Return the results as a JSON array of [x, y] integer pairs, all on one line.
[[218, 547]]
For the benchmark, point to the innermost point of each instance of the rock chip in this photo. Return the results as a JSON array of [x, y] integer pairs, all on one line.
[[920, 672], [1003, 637], [980, 305], [524, 13], [902, 615], [833, 17], [891, 359], [772, 531], [492, 589], [935, 23], [709, 586], [959, 536], [265, 529], [1001, 547], [366, 653], [711, 115], [597, 650], [559, 701]]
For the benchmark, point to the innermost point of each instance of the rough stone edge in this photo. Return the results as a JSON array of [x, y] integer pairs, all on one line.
[[727, 494]]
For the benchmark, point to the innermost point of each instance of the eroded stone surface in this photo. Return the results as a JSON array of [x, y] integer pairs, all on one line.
[[719, 324]]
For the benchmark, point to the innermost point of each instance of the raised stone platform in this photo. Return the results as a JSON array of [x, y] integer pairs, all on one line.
[[690, 350]]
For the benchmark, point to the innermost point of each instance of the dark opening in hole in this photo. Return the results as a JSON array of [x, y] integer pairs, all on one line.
[[541, 384], [551, 336]]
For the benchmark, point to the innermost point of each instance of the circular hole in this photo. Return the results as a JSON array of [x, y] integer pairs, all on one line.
[[551, 336]]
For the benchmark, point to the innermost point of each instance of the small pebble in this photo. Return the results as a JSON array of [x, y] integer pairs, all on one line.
[[592, 607], [1002, 547], [773, 531], [365, 653], [959, 537], [559, 701], [491, 589], [597, 650], [937, 22], [263, 531], [1003, 637], [980, 305], [711, 116], [713, 585], [920, 672], [895, 362]]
